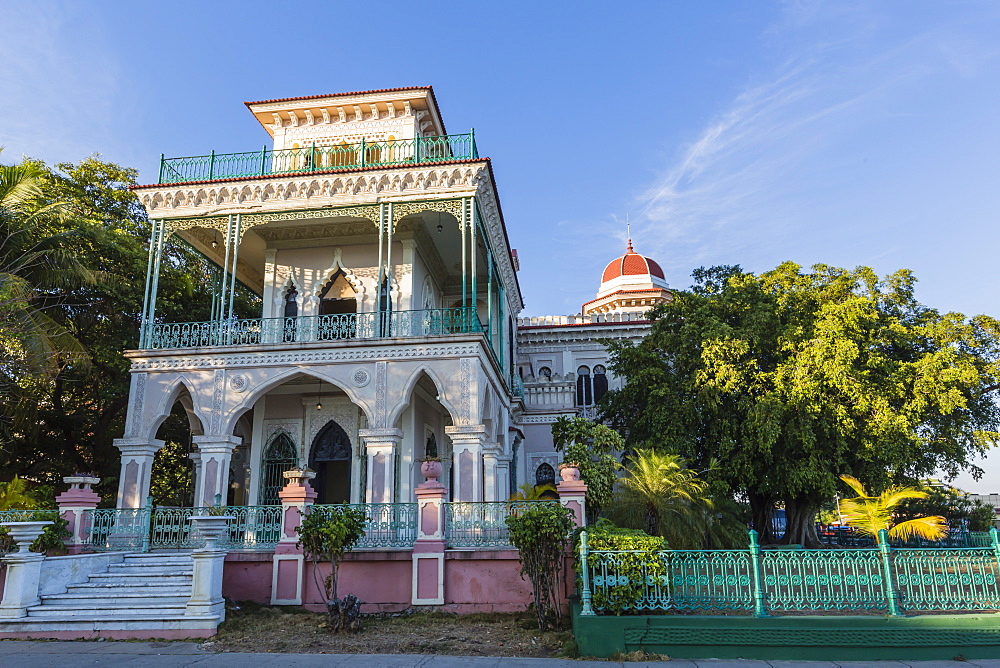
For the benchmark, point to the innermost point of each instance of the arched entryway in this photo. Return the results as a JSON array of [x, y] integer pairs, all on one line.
[[279, 456], [330, 457]]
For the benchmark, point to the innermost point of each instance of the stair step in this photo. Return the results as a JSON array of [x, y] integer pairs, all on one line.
[[118, 569], [129, 579], [169, 588], [125, 601], [146, 610]]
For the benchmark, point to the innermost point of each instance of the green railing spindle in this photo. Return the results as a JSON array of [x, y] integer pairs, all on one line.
[[759, 603], [585, 594], [366, 153]]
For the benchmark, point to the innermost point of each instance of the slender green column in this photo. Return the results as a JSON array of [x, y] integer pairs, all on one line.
[[158, 243], [147, 285], [472, 261], [464, 224], [891, 595], [489, 297], [585, 594], [995, 537], [237, 234], [759, 598]]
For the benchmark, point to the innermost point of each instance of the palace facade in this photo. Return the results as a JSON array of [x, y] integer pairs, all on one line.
[[388, 329]]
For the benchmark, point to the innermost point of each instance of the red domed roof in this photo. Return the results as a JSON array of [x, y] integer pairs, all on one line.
[[631, 264]]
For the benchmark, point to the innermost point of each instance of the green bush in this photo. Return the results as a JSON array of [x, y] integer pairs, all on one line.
[[540, 532], [327, 534], [635, 556]]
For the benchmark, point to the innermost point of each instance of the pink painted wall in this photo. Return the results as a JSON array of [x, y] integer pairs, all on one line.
[[475, 580]]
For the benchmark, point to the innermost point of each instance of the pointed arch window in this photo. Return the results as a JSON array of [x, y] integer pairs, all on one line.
[[279, 456]]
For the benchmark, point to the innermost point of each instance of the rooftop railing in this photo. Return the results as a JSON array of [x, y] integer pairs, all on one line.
[[338, 327], [318, 158]]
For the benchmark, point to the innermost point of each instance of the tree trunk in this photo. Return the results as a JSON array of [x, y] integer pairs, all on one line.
[[800, 526], [762, 514]]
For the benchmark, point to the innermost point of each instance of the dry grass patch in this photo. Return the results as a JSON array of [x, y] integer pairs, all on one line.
[[257, 628]]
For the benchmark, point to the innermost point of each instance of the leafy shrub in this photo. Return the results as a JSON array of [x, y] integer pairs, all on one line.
[[541, 532], [327, 534], [634, 557]]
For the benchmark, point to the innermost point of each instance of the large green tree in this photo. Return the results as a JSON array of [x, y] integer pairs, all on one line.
[[792, 378], [64, 421]]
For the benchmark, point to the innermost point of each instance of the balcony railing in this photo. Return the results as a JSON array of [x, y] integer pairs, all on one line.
[[318, 158], [339, 327]]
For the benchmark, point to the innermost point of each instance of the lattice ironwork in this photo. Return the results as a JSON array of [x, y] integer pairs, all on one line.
[[481, 523], [335, 327], [366, 153], [390, 525]]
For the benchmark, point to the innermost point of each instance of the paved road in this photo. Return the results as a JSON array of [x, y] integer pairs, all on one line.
[[32, 654]]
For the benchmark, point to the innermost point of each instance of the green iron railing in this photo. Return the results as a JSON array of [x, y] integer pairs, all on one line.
[[318, 158], [886, 579], [339, 327], [149, 528], [481, 523], [390, 525], [844, 537], [516, 385]]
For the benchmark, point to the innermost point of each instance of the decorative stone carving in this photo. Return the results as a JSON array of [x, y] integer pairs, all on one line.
[[238, 383], [361, 377]]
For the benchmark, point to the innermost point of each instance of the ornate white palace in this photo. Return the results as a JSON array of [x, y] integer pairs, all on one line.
[[388, 328]]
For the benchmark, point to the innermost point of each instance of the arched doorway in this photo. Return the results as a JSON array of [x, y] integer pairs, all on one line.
[[330, 457], [279, 456]]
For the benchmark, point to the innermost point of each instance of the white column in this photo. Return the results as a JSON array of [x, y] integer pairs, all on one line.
[[491, 486], [136, 470], [216, 452], [381, 446], [503, 477], [467, 461]]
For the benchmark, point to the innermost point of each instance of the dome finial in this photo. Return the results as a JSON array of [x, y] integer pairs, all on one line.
[[628, 233]]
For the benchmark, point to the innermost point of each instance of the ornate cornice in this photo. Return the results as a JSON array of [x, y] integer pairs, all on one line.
[[295, 192], [216, 359]]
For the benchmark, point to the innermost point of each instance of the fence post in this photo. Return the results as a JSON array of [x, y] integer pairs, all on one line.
[[362, 152], [263, 160], [288, 563], [74, 505], [891, 594], [162, 160], [585, 593], [995, 539], [211, 166], [429, 547], [472, 138], [416, 148], [147, 523], [759, 599]]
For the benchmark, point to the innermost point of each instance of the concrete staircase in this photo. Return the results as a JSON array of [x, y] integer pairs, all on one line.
[[138, 596]]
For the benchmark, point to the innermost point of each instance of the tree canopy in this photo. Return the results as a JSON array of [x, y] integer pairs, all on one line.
[[73, 255], [792, 378]]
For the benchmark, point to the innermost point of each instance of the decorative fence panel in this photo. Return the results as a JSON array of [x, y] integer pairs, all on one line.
[[304, 329], [318, 158], [947, 579], [390, 525], [481, 523], [148, 528], [823, 579], [892, 580]]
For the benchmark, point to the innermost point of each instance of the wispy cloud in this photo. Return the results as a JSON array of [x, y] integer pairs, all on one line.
[[751, 177]]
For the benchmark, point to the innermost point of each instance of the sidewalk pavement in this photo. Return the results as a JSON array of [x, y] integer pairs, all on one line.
[[45, 654]]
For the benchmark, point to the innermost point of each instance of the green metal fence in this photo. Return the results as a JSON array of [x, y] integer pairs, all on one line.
[[883, 579], [390, 525], [481, 523], [338, 327], [846, 537], [319, 158], [149, 528]]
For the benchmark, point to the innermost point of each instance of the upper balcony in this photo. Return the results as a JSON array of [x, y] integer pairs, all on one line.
[[319, 158]]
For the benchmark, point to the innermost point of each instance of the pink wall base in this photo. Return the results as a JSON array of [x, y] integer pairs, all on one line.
[[475, 581]]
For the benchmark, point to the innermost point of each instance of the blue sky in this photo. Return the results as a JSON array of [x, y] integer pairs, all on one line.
[[743, 133]]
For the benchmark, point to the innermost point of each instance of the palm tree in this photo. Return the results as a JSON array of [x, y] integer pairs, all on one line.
[[871, 514], [529, 492], [33, 261], [662, 496]]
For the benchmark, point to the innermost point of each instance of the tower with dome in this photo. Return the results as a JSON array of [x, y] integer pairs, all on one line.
[[564, 365]]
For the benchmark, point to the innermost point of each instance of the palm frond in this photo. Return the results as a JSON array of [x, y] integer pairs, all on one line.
[[933, 527]]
